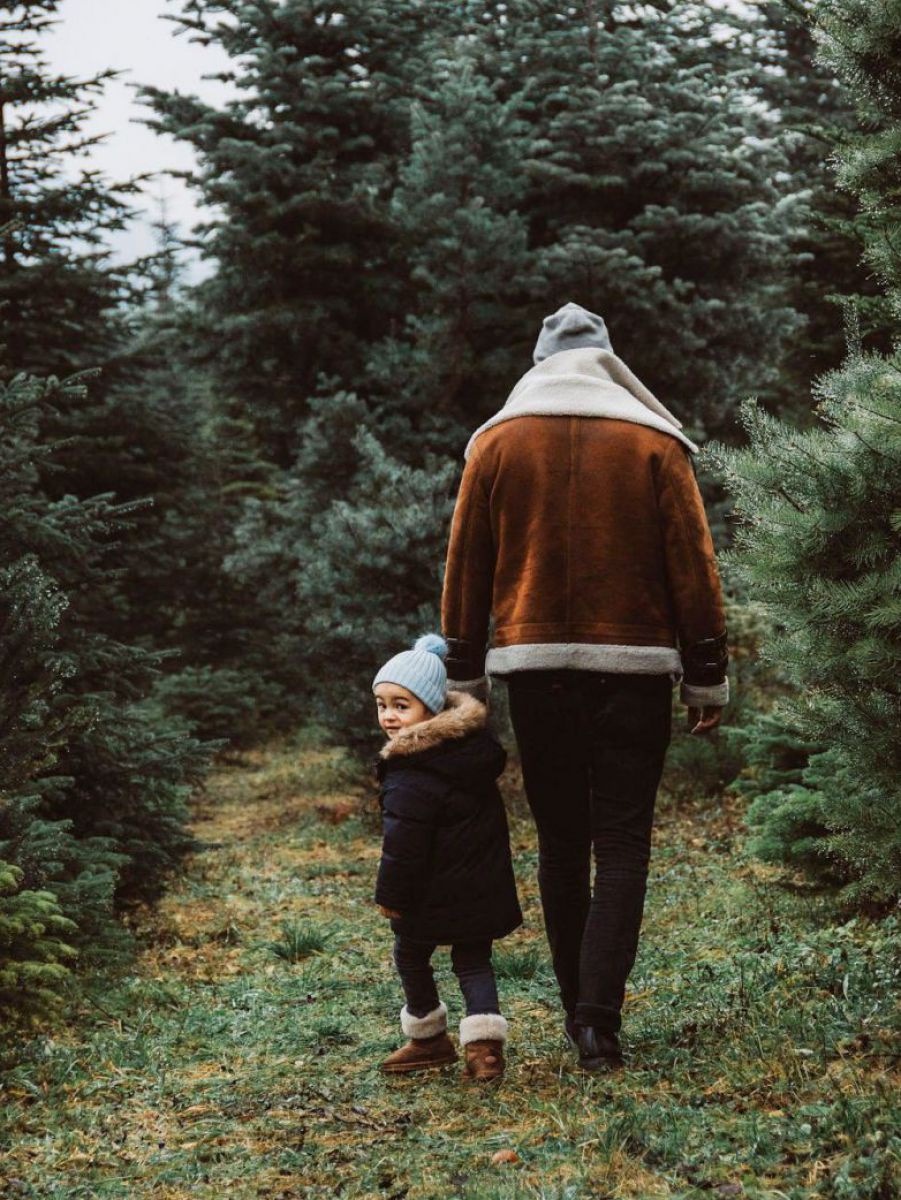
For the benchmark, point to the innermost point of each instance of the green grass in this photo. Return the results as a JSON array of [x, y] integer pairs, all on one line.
[[758, 1030], [298, 941], [520, 964]]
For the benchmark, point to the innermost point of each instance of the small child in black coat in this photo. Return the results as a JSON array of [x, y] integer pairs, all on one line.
[[445, 875]]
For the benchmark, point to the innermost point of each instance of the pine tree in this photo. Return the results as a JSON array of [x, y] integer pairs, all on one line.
[[466, 330], [818, 545], [300, 169], [349, 555], [46, 875], [819, 539], [58, 290], [658, 193], [93, 782], [144, 430], [33, 955], [816, 115]]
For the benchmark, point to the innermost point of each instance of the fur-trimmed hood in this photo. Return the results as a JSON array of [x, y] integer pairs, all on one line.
[[462, 714], [454, 743]]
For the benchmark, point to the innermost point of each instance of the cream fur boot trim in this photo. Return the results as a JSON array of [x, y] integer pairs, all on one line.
[[424, 1027], [483, 1027]]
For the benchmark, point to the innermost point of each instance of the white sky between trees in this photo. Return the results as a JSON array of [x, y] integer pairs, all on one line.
[[129, 36]]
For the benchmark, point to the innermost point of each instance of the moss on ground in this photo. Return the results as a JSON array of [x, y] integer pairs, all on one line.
[[238, 1056]]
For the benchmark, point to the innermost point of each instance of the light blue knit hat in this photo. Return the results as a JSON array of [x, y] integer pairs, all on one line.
[[568, 328], [420, 670]]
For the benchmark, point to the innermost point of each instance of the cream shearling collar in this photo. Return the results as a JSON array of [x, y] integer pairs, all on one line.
[[585, 382], [463, 715]]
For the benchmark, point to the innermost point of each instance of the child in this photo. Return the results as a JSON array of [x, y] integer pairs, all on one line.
[[445, 875]]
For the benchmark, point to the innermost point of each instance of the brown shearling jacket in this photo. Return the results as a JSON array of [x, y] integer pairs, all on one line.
[[586, 539]]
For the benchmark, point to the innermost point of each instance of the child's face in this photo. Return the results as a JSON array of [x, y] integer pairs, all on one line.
[[398, 708]]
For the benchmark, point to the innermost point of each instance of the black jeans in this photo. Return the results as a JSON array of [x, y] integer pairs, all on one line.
[[471, 963], [592, 746]]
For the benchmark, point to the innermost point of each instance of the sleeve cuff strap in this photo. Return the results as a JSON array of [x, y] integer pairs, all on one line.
[[693, 695]]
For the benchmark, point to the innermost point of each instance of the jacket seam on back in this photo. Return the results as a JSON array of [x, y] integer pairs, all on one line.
[[573, 435], [686, 530]]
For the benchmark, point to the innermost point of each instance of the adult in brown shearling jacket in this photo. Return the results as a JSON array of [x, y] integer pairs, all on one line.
[[579, 527]]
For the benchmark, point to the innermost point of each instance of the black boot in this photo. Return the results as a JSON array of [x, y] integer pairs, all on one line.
[[597, 1051]]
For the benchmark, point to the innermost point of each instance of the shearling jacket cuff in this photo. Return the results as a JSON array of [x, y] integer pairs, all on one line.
[[697, 696], [464, 659]]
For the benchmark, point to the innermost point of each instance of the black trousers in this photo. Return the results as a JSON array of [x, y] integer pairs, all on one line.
[[592, 746], [471, 963]]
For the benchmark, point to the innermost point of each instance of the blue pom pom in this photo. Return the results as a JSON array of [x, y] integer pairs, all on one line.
[[434, 643]]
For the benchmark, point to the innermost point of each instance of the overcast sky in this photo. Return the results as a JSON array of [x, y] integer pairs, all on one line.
[[129, 35]]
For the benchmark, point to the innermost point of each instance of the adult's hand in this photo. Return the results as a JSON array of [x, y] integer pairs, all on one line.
[[702, 720], [388, 912]]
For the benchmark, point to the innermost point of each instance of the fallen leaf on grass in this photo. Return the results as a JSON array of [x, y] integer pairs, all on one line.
[[504, 1156], [335, 814]]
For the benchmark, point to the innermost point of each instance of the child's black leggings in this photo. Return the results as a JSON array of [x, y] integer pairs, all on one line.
[[471, 963]]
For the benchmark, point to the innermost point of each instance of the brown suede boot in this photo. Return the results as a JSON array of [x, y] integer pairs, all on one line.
[[482, 1037], [429, 1046], [420, 1054], [484, 1061]]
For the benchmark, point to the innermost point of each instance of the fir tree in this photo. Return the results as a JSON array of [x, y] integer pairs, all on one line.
[[33, 955], [300, 166], [63, 312], [466, 333], [174, 591], [403, 204], [143, 431], [860, 42], [829, 278], [658, 193], [48, 880], [818, 544], [93, 782], [352, 565], [57, 288], [34, 931], [819, 538], [405, 191]]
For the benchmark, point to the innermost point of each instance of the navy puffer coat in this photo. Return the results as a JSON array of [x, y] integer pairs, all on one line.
[[445, 862]]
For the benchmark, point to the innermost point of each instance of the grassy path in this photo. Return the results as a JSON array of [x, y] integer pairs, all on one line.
[[757, 1024]]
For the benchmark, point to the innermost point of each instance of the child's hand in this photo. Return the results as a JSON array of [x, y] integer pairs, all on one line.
[[388, 912]]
